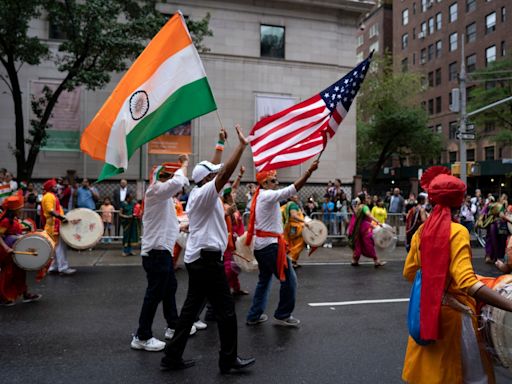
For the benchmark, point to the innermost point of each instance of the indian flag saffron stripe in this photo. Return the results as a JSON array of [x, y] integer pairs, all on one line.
[[165, 87]]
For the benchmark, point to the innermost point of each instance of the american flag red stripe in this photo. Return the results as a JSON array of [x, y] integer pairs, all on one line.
[[300, 132]]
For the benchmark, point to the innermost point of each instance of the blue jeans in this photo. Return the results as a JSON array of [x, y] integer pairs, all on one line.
[[162, 287], [267, 264]]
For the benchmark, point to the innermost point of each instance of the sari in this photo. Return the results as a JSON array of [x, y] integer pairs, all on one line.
[[360, 234], [130, 225]]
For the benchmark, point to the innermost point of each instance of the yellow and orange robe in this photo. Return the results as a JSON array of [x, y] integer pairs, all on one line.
[[441, 361], [50, 203], [293, 230]]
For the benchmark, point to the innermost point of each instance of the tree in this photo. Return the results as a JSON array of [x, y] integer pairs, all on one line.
[[494, 83], [390, 119], [101, 37]]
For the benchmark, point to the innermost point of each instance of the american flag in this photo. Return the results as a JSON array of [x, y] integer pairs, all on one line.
[[300, 132]]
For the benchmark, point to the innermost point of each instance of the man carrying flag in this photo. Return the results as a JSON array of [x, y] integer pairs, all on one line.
[[165, 87], [266, 225]]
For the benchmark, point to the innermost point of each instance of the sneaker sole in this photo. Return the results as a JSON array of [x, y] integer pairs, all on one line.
[[141, 348], [283, 323]]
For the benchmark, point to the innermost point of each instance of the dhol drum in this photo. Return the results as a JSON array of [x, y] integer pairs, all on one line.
[[33, 250], [244, 255], [496, 325], [315, 233], [384, 238], [83, 230]]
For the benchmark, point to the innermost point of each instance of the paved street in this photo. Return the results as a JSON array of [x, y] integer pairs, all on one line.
[[80, 331]]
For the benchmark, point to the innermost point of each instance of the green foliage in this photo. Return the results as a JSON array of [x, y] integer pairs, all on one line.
[[493, 83], [390, 120], [99, 37]]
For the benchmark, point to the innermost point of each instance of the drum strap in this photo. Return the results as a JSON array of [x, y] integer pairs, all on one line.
[[282, 263]]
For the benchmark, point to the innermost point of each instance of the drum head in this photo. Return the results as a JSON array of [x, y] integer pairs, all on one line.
[[182, 239], [244, 255], [315, 234], [384, 237], [40, 245], [83, 234]]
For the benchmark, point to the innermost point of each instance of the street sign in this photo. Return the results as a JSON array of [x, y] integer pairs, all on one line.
[[470, 127], [465, 136]]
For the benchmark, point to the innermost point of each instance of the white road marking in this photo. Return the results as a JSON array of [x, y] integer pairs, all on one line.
[[338, 303]]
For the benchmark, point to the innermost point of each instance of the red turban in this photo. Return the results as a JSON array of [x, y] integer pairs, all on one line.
[[263, 176], [49, 185], [12, 203], [445, 191]]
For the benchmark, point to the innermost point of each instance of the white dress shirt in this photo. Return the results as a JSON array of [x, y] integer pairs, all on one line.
[[159, 220], [207, 225], [122, 193], [268, 214]]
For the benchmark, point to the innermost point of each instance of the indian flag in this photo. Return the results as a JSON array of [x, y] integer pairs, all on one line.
[[165, 87]]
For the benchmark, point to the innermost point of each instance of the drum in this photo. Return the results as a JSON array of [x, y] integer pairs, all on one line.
[[182, 240], [384, 237], [496, 327], [33, 250], [244, 256], [83, 230], [315, 233]]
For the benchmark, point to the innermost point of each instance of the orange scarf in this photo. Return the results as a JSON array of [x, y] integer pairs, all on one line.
[[282, 263]]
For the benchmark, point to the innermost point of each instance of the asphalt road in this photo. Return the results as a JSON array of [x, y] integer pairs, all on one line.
[[80, 331]]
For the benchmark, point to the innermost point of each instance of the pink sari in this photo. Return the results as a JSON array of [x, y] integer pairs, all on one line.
[[360, 231]]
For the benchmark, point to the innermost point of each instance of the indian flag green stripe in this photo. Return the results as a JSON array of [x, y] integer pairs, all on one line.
[[190, 101]]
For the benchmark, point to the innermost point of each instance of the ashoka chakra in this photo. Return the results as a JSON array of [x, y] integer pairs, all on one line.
[[139, 105]]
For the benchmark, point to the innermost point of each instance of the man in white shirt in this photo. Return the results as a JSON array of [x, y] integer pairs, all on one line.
[[160, 233], [266, 224], [207, 242]]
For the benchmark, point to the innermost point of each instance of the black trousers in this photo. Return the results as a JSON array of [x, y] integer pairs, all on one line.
[[207, 280]]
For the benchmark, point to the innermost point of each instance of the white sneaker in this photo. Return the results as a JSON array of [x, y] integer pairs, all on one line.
[[152, 345], [200, 325], [289, 322], [169, 333]]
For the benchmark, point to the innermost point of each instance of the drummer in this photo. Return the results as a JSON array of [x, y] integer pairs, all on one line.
[[270, 248], [293, 220], [12, 278], [52, 218], [441, 248]]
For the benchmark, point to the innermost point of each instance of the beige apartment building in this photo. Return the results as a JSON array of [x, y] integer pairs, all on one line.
[[264, 56]]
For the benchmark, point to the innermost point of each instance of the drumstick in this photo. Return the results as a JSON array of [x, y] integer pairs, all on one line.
[[26, 253], [240, 256]]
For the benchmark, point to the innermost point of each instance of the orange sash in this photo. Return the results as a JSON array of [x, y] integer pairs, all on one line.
[[282, 263]]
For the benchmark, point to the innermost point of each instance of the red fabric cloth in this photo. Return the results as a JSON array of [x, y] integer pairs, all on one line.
[[282, 263], [263, 176], [49, 185], [13, 202], [12, 278], [445, 191]]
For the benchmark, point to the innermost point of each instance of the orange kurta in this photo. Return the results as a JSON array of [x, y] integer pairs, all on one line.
[[441, 362], [49, 203]]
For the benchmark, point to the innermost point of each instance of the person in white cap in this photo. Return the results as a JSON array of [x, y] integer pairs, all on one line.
[[207, 242], [160, 233]]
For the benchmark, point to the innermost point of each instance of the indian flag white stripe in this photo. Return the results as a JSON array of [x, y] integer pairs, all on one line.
[[179, 70]]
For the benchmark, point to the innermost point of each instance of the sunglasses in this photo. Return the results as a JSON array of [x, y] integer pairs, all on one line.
[[273, 181]]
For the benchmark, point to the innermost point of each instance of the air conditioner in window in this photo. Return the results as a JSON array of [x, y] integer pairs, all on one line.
[[430, 3], [421, 35]]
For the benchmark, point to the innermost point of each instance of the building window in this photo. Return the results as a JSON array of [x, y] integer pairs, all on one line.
[[453, 156], [452, 71], [423, 56], [439, 128], [374, 30], [360, 40], [490, 22], [414, 58], [438, 76], [503, 14], [55, 33], [439, 21], [405, 64], [470, 154], [431, 106], [430, 79], [405, 40], [471, 62], [490, 54], [453, 42], [489, 153], [430, 52], [439, 104], [489, 126], [470, 5], [452, 130], [439, 48], [424, 5], [471, 33], [452, 13], [374, 46], [503, 53], [424, 105], [272, 41], [405, 16], [431, 26]]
